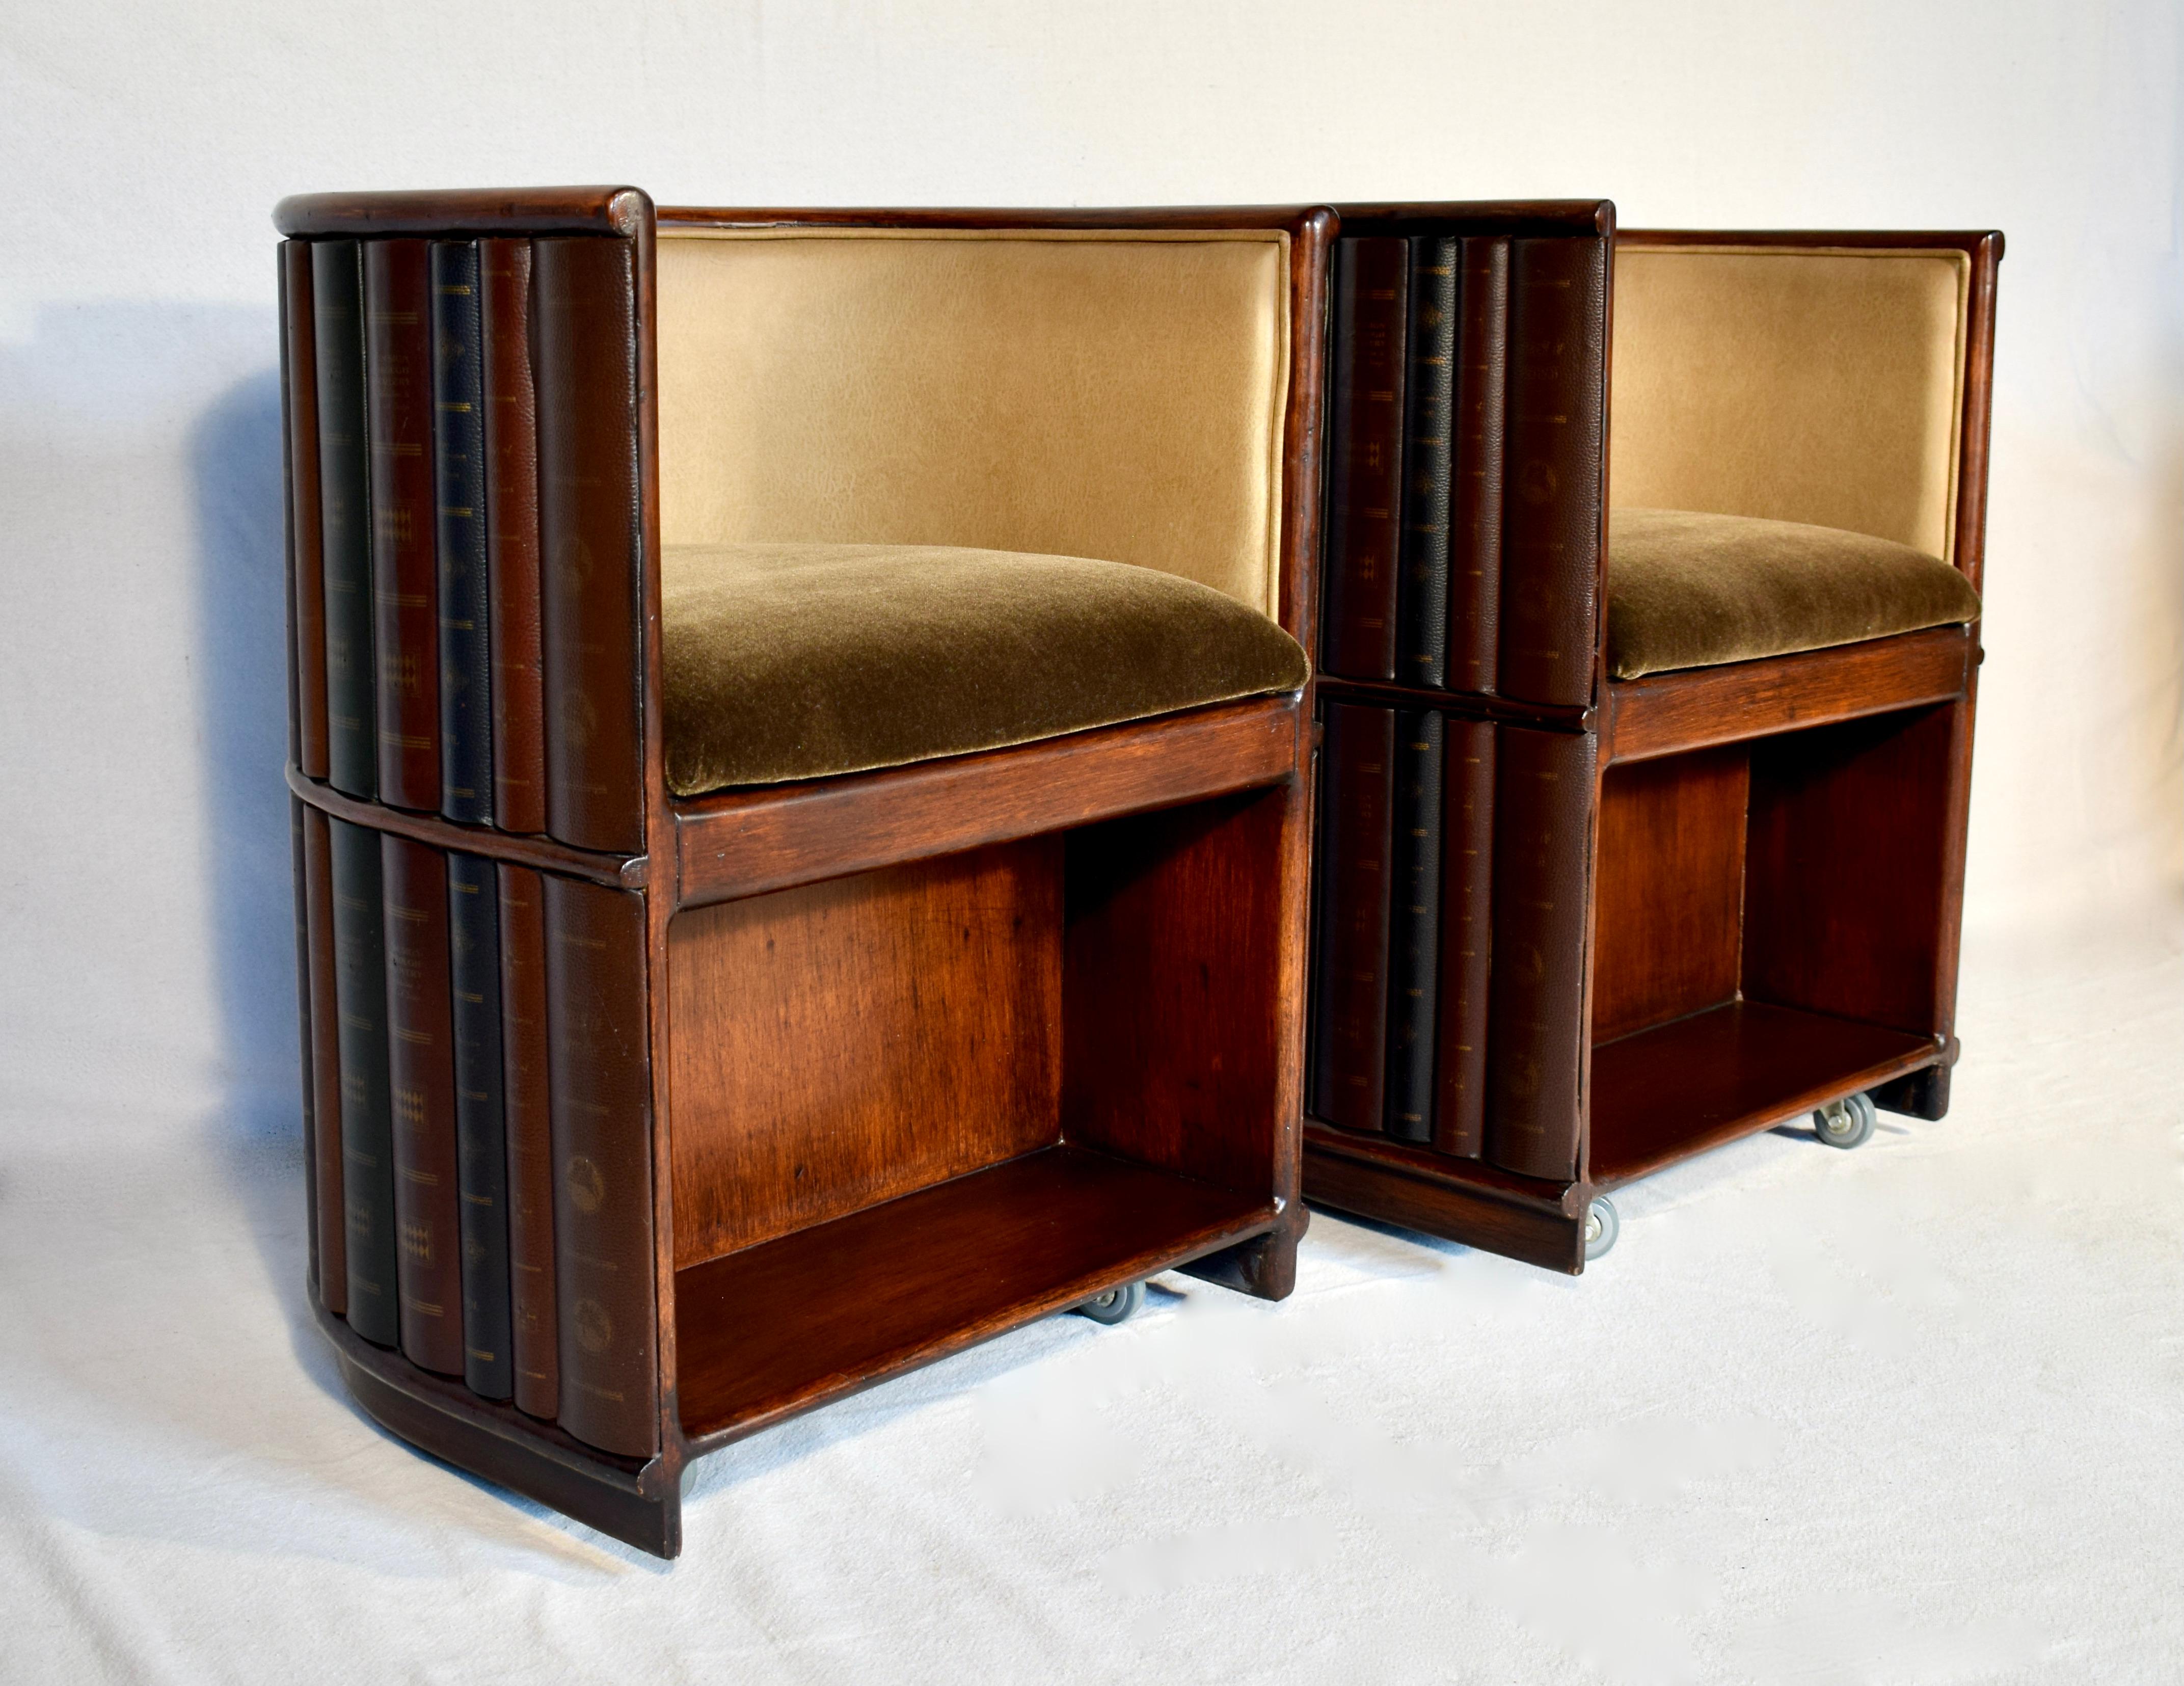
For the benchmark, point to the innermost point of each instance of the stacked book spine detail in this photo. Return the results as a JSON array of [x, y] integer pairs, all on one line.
[[464, 549], [1462, 561]]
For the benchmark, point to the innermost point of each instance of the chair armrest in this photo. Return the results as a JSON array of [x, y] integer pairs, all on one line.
[[1835, 378]]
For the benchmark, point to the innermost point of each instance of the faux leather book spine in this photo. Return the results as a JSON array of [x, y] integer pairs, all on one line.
[[1365, 479], [301, 906], [459, 536], [1556, 446], [1349, 1018], [307, 573], [511, 502], [404, 589], [584, 344], [481, 1135], [345, 515], [421, 1068], [1467, 937], [1543, 804], [322, 1014], [599, 1080], [530, 1125], [1428, 421], [367, 1109], [1414, 928], [1474, 595]]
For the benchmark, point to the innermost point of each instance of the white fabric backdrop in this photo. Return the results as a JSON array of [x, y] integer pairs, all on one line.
[[146, 972]]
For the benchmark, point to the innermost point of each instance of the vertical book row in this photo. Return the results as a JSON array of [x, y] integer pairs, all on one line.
[[1464, 494], [464, 528], [477, 1080], [1449, 991]]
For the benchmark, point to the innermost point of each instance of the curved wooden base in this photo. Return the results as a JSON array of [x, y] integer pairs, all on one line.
[[638, 1502]]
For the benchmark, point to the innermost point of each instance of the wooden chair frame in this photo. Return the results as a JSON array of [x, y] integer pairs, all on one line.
[[1207, 811], [1875, 737]]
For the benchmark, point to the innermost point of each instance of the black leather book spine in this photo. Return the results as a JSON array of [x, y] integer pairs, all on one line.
[[398, 385], [1350, 967], [344, 516], [1467, 951], [1482, 391], [1556, 463], [481, 1129], [1429, 422], [1365, 468], [322, 1023], [459, 498], [306, 567], [1414, 925], [367, 1117], [1543, 809], [528, 1112]]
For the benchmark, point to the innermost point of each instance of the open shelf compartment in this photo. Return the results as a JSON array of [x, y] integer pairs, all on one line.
[[1768, 936], [915, 1106]]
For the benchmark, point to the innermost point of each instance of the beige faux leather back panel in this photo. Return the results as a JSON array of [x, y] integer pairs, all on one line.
[[1117, 395], [1820, 386]]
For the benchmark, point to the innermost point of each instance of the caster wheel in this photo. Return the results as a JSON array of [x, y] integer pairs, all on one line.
[[1845, 1123], [1601, 1227], [1114, 1305]]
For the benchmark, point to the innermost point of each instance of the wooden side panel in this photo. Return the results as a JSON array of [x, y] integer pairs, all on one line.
[[844, 1043], [1853, 847], [1178, 1022], [1669, 917]]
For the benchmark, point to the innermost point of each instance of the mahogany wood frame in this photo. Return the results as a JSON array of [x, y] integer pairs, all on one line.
[[1843, 1027], [1212, 807]]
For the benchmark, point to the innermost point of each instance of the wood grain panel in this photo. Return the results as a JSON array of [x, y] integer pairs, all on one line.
[[750, 841], [1178, 1016], [839, 1044], [1668, 713], [1855, 861], [780, 1327], [1670, 889]]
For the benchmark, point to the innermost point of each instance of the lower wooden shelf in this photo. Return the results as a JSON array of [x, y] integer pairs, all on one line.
[[788, 1324], [1662, 1094]]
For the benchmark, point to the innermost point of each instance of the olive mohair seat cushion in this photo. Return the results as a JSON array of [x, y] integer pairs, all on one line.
[[1686, 590], [801, 660]]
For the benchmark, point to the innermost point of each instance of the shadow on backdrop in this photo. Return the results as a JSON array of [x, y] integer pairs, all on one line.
[[235, 456]]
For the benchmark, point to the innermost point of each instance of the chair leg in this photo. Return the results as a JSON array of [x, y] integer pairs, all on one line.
[[1265, 1265]]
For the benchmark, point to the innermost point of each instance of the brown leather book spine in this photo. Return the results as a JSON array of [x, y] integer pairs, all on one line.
[[1475, 584], [530, 1141], [583, 304], [307, 578], [1543, 815], [1365, 469], [1349, 1009], [322, 1020], [405, 587], [1555, 469], [599, 1080], [511, 496], [420, 1058], [1467, 938]]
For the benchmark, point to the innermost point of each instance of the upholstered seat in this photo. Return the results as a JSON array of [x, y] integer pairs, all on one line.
[[1689, 590], [802, 660]]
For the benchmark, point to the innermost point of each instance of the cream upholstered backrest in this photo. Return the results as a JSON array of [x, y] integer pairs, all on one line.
[[1111, 394], [1798, 383]]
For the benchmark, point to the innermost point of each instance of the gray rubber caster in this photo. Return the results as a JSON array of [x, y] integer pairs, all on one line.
[[1601, 1227], [1114, 1305], [1847, 1123]]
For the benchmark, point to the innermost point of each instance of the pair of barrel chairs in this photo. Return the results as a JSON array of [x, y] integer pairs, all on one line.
[[974, 586]]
